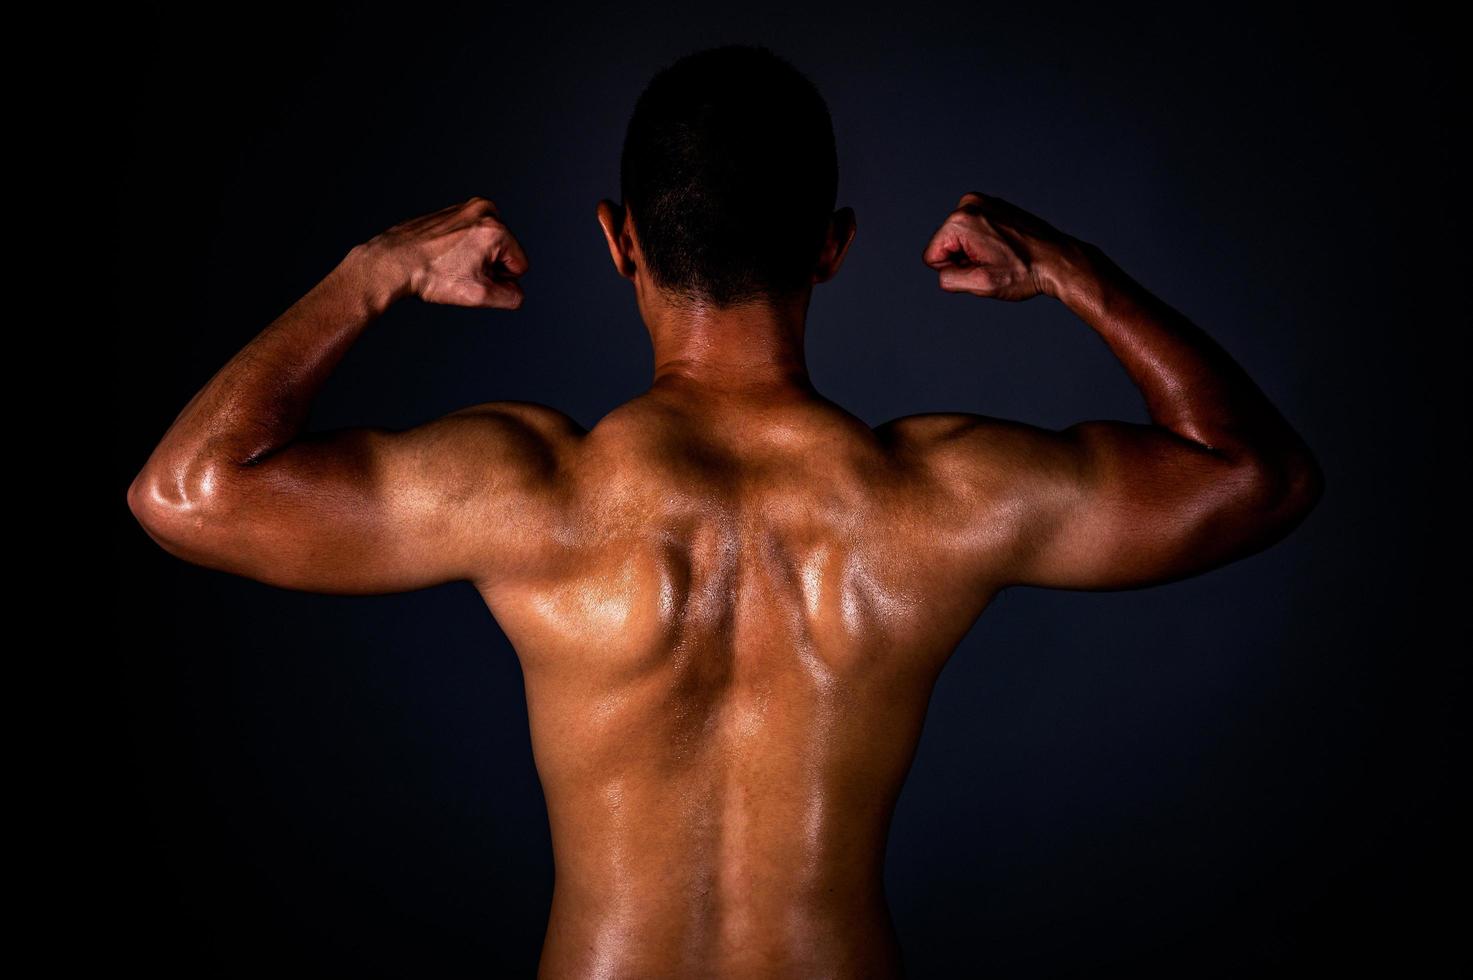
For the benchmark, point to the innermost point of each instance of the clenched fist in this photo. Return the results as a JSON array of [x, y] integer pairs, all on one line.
[[460, 256], [992, 248]]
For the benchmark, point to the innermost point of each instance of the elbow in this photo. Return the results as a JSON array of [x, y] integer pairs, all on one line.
[[1307, 482], [1284, 490], [145, 499], [157, 507], [178, 506]]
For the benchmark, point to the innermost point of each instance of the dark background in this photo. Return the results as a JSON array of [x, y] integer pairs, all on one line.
[[1243, 773]]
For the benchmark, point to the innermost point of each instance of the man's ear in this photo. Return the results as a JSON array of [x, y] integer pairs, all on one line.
[[835, 245], [611, 217]]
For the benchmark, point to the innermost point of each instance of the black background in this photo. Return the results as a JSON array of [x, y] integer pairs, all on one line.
[[1244, 773]]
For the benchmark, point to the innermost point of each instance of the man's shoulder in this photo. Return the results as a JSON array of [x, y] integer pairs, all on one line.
[[516, 448], [926, 427], [513, 430], [958, 431], [969, 452], [533, 418]]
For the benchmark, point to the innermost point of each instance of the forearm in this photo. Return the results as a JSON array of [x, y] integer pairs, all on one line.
[[1191, 386], [258, 402]]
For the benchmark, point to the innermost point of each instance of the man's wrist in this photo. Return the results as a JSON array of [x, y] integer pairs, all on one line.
[[1063, 268], [382, 279]]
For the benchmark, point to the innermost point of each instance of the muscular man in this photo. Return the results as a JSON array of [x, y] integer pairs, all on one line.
[[730, 598]]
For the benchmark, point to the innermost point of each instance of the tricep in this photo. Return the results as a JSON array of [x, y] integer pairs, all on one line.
[[365, 510], [1107, 505]]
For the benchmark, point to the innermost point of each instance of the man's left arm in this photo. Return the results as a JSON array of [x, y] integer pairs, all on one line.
[[235, 485]]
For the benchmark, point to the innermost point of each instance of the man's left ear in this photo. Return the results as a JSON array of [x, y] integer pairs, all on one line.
[[612, 218], [835, 245]]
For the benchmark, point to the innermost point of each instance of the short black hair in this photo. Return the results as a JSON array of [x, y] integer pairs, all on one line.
[[730, 172]]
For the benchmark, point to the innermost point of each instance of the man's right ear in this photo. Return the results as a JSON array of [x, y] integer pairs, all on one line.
[[836, 245], [611, 217]]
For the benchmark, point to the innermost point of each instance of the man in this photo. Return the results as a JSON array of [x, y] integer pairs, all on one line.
[[730, 598]]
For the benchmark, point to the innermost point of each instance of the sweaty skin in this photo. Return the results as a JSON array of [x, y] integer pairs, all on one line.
[[730, 598]]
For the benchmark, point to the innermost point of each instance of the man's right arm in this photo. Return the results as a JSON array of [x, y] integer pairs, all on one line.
[[1218, 474]]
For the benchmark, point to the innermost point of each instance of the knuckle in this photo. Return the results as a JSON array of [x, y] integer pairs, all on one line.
[[971, 203]]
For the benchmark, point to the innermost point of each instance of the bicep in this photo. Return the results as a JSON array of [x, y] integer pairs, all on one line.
[[1109, 505], [369, 510]]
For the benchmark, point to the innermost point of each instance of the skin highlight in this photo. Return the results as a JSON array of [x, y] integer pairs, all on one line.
[[730, 598]]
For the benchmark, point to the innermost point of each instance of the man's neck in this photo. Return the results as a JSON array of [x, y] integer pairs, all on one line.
[[752, 349]]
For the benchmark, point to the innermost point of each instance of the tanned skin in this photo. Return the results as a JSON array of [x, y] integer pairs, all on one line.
[[731, 598]]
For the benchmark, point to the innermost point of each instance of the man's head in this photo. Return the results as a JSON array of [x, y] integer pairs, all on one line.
[[729, 176]]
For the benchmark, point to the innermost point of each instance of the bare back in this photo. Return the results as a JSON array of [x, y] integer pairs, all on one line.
[[727, 667], [731, 598]]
